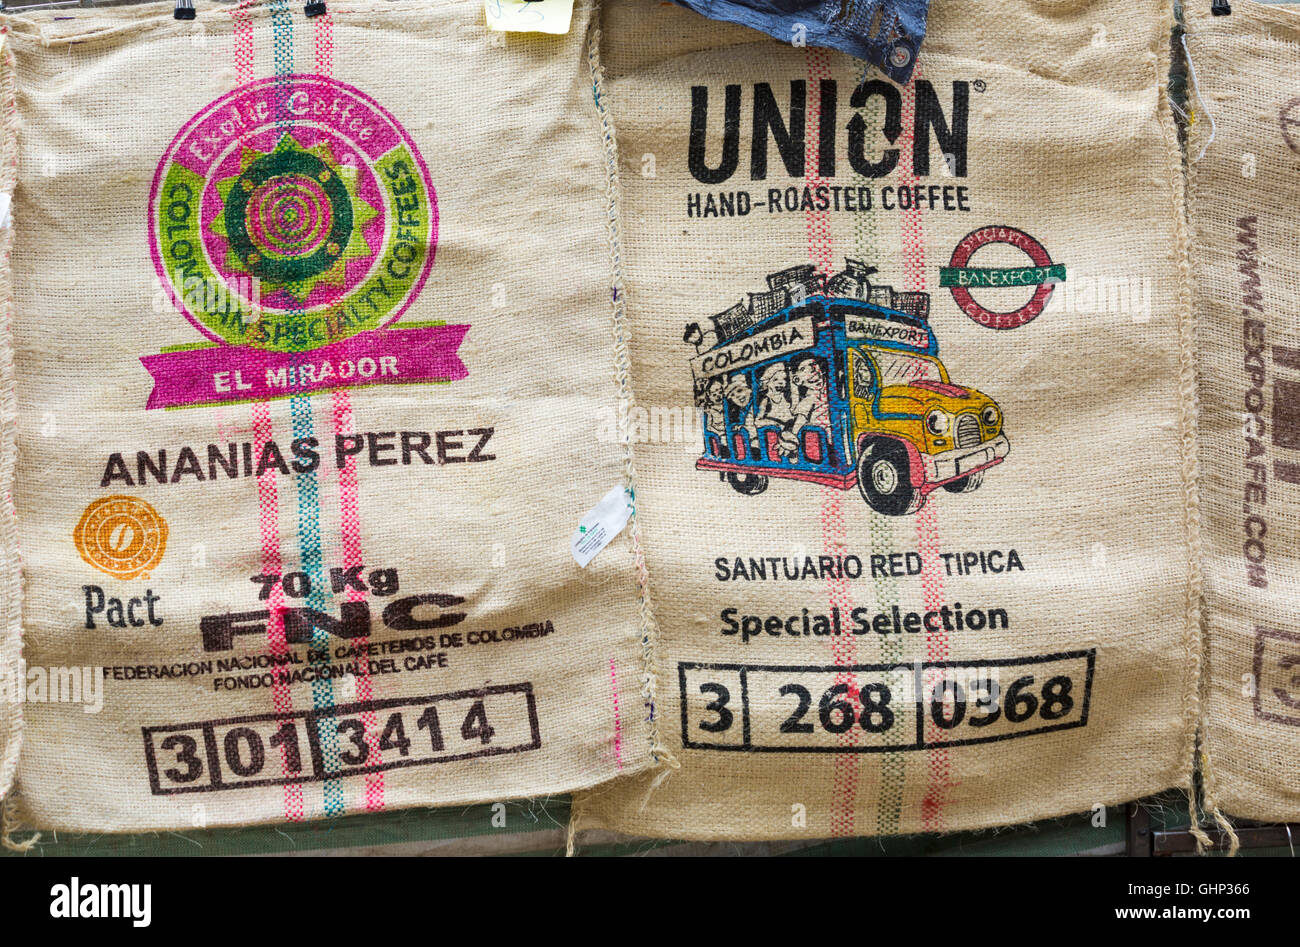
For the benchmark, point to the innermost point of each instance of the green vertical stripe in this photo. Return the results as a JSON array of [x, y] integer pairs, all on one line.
[[892, 768]]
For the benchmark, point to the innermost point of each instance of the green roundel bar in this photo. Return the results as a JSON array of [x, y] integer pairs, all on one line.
[[1001, 276]]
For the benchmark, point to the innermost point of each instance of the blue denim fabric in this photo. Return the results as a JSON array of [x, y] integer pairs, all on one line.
[[838, 24]]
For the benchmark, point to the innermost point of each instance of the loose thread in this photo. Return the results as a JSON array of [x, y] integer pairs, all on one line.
[[671, 766], [1203, 840], [1196, 88], [9, 824], [571, 839], [1234, 842]]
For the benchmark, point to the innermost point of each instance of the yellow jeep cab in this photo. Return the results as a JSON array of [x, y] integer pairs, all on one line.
[[837, 381]]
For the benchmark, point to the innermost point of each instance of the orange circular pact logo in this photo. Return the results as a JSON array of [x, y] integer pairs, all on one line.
[[121, 535]]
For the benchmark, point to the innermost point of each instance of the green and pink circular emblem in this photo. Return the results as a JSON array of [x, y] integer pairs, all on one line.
[[292, 213]]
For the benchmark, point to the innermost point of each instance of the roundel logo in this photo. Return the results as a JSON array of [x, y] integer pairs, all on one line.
[[121, 535], [291, 214], [962, 276]]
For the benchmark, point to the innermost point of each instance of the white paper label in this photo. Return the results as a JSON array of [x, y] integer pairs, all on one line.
[[599, 527], [529, 16]]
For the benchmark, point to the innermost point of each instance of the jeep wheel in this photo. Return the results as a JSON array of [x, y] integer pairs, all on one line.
[[965, 484], [748, 484], [885, 479]]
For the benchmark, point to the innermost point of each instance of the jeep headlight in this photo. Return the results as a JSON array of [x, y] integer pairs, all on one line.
[[990, 416], [937, 422]]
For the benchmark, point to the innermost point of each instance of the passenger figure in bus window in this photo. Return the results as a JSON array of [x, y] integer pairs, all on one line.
[[811, 402], [715, 408], [774, 397], [739, 399]]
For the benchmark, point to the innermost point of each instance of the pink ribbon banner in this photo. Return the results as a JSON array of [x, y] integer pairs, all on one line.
[[229, 373]]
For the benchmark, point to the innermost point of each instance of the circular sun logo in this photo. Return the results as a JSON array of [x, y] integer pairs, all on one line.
[[293, 219], [292, 213]]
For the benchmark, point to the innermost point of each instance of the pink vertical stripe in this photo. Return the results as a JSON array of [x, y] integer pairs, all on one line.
[[618, 724], [833, 527], [268, 512], [244, 50], [323, 41]]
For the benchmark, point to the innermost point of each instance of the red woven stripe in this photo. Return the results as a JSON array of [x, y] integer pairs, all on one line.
[[938, 761]]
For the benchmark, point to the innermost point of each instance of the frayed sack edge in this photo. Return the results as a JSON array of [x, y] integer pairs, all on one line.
[[11, 593], [1189, 415], [1197, 143], [622, 373], [659, 753]]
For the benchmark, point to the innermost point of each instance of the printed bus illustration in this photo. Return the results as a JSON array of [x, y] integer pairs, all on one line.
[[837, 381]]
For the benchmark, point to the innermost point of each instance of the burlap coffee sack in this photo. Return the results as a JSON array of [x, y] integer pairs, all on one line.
[[1046, 264], [1244, 151], [421, 201]]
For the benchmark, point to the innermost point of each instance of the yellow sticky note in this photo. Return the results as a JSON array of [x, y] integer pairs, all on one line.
[[529, 16]]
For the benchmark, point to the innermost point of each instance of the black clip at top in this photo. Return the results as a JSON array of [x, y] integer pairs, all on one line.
[[184, 10], [1220, 8], [315, 8]]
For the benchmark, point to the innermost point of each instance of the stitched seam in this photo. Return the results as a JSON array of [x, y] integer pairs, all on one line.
[[1189, 407], [622, 376]]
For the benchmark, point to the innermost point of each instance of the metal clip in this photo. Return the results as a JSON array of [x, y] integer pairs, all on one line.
[[1220, 8], [315, 8], [184, 10]]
